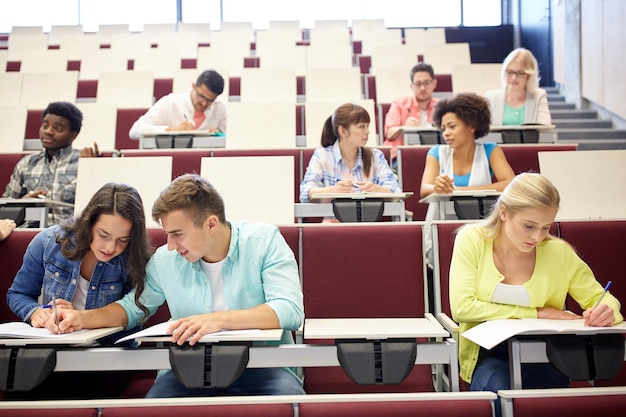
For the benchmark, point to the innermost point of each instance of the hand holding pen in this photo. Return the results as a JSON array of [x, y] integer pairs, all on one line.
[[184, 125], [600, 315], [40, 316]]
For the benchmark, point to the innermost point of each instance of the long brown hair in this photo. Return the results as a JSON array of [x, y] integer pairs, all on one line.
[[125, 201], [346, 115]]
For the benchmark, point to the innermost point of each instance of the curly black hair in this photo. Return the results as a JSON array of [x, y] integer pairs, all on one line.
[[471, 108]]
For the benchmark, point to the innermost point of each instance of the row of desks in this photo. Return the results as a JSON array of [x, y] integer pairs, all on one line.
[[329, 343]]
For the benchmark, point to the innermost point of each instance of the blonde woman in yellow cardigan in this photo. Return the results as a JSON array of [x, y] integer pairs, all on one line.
[[508, 266]]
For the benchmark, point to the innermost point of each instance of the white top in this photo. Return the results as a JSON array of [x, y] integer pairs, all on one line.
[[172, 109], [511, 294], [80, 296], [216, 279]]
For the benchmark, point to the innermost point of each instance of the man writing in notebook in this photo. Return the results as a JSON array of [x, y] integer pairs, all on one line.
[[193, 110], [214, 276], [413, 110], [52, 172]]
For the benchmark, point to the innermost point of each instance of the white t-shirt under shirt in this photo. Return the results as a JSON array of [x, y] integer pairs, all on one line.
[[214, 274], [80, 295]]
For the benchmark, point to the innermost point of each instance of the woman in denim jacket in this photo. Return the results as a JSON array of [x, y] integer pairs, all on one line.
[[85, 262]]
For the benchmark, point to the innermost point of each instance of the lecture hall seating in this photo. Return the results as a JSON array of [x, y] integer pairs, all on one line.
[[571, 402], [380, 277]]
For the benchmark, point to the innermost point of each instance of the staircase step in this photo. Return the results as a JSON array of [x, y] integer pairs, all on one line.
[[551, 90], [561, 105], [556, 97], [597, 144], [590, 134], [561, 114], [582, 124]]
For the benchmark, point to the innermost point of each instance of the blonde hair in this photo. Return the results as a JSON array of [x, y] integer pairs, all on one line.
[[526, 190], [529, 65]]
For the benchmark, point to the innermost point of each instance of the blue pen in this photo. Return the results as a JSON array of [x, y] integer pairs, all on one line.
[[606, 289]]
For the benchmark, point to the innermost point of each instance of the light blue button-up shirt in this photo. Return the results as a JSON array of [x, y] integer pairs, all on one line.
[[260, 268]]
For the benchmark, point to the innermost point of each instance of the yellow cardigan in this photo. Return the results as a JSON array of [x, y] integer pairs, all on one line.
[[473, 277]]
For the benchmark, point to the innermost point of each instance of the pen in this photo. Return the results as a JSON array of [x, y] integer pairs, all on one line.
[[56, 316], [606, 289]]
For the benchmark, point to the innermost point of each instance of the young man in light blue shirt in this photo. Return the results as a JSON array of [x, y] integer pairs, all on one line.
[[214, 275]]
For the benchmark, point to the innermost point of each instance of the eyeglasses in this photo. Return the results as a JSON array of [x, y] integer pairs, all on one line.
[[426, 84], [518, 74], [204, 99]]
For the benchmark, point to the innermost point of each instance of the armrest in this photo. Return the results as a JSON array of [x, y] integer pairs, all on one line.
[[449, 324]]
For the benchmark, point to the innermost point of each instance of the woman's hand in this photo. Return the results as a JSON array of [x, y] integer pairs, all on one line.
[[600, 316], [444, 184], [42, 315], [556, 314], [344, 186], [366, 186]]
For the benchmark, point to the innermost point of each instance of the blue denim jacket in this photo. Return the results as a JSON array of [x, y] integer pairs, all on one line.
[[44, 266]]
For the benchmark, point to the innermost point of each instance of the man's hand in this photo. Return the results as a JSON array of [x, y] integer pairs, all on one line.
[[88, 152], [186, 125], [192, 328], [6, 227]]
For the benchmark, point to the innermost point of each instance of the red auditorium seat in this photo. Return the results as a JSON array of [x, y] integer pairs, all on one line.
[[7, 163], [411, 162], [48, 412], [440, 408], [125, 119], [12, 251], [523, 158], [350, 271], [230, 410]]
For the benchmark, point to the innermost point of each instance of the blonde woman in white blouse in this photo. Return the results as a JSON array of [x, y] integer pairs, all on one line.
[[520, 100]]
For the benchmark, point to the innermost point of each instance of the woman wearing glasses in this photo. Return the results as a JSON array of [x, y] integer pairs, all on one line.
[[520, 100]]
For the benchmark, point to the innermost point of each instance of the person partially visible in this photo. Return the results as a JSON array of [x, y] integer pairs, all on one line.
[[6, 227], [520, 100], [83, 263], [52, 172], [214, 275], [197, 109], [344, 164], [508, 266], [413, 110], [463, 162]]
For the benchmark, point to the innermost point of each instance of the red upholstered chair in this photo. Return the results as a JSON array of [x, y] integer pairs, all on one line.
[[33, 123], [411, 162], [125, 119], [571, 402], [363, 271], [230, 410], [292, 237], [433, 407], [48, 412], [12, 251], [523, 158], [7, 163], [602, 245]]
